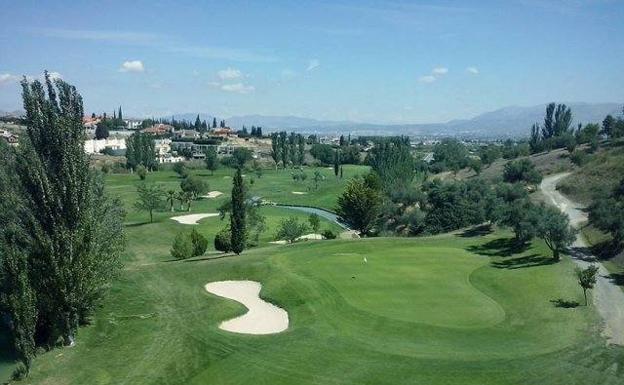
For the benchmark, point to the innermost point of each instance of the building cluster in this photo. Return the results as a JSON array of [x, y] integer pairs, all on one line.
[[9, 137]]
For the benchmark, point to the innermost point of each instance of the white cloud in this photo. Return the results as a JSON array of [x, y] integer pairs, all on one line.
[[472, 70], [313, 64], [439, 71], [238, 88], [132, 66], [54, 75], [7, 78], [427, 79], [229, 73]]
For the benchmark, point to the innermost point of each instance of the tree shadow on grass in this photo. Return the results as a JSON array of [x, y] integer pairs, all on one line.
[[564, 303], [617, 278], [501, 247], [532, 260], [477, 231]]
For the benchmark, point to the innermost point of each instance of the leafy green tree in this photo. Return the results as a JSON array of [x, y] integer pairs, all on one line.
[[182, 247], [241, 156], [324, 153], [392, 160], [300, 149], [199, 242], [180, 169], [476, 165], [194, 185], [318, 177], [283, 144], [608, 126], [359, 205], [171, 198], [587, 278], [290, 230], [61, 235], [315, 222], [237, 216], [101, 131], [140, 149], [522, 170], [222, 241], [587, 133], [535, 141], [489, 154], [275, 148], [553, 227], [451, 153], [141, 172], [212, 163], [607, 214], [150, 197]]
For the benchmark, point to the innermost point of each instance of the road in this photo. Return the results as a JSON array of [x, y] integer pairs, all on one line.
[[607, 296]]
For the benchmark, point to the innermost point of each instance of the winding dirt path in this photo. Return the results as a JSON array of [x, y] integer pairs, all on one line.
[[608, 297]]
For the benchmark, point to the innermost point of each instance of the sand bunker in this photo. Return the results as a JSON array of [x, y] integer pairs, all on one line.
[[192, 219], [299, 192], [262, 317], [306, 237], [212, 194]]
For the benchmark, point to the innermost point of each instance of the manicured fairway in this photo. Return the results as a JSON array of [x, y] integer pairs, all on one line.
[[419, 311]]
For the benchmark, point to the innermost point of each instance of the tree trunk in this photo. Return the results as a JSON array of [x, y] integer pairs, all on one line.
[[585, 294], [151, 217], [556, 254]]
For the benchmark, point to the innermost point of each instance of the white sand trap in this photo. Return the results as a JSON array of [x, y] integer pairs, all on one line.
[[192, 219], [279, 242], [306, 237], [299, 192], [212, 194], [262, 317]]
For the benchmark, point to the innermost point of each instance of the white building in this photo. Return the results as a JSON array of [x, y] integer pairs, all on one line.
[[94, 146], [162, 146]]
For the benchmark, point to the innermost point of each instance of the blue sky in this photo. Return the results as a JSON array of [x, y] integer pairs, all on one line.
[[373, 61]]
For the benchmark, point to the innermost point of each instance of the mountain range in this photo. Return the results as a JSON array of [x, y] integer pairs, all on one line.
[[513, 121]]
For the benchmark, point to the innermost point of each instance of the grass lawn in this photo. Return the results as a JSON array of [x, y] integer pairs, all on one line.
[[436, 310]]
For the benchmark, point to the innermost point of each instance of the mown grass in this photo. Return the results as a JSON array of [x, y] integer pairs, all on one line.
[[433, 310]]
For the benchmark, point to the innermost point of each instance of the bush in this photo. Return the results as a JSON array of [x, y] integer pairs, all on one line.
[[328, 234], [521, 171], [222, 241], [141, 172], [182, 247], [578, 157], [20, 372], [290, 229], [200, 243], [106, 168], [180, 169]]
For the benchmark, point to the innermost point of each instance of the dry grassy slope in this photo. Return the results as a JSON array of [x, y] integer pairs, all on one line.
[[547, 162], [596, 177]]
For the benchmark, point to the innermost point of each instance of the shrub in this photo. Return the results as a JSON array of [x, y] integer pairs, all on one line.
[[521, 171], [222, 241], [328, 234], [182, 247], [141, 172], [578, 157], [106, 168], [20, 372], [290, 229], [200, 243]]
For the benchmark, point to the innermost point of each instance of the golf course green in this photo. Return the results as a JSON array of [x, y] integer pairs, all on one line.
[[459, 308]]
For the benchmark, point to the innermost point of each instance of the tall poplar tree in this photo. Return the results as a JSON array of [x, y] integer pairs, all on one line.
[[237, 216], [63, 249]]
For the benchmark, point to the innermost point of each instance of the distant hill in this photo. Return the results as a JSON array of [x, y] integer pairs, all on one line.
[[505, 122]]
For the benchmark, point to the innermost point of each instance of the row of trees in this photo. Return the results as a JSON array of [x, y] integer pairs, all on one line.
[[61, 235], [141, 150], [287, 149]]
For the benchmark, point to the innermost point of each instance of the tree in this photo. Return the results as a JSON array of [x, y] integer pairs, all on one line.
[[182, 247], [180, 169], [141, 172], [222, 241], [553, 227], [283, 144], [336, 163], [237, 216], [315, 222], [324, 153], [197, 125], [300, 149], [61, 235], [522, 170], [476, 165], [214, 123], [317, 178], [150, 198], [119, 115], [171, 198], [290, 230], [359, 205], [212, 163], [608, 126], [450, 154], [194, 185], [241, 156], [140, 149], [535, 142], [607, 214], [101, 131], [199, 242], [275, 148], [392, 160], [587, 278], [548, 130]]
